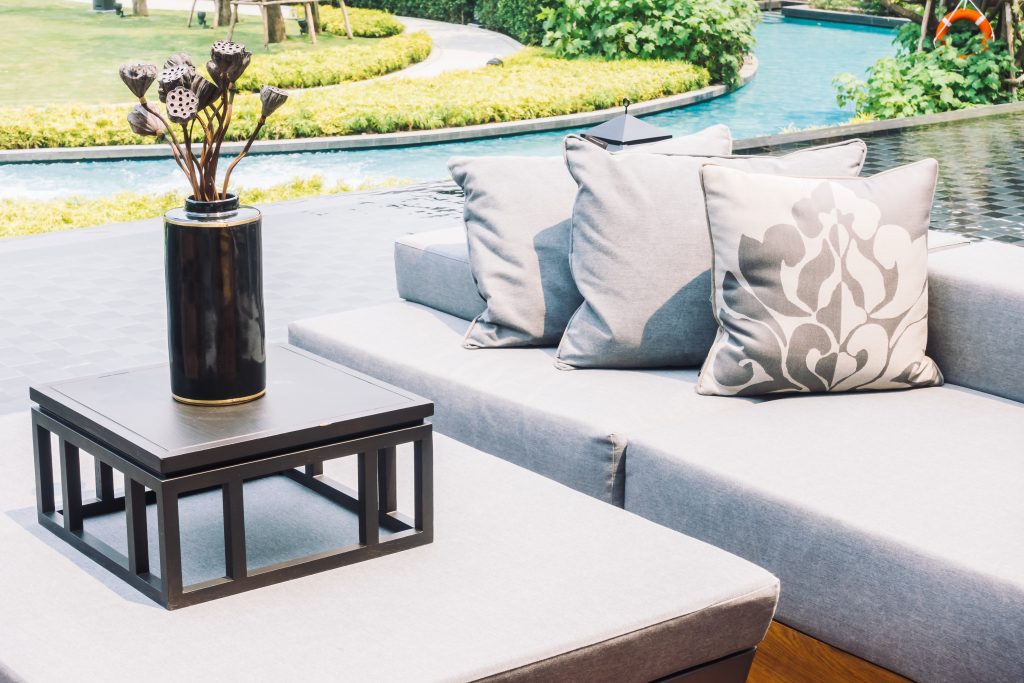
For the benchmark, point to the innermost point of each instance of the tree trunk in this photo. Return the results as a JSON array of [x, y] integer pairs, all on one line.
[[223, 12], [140, 8], [275, 23]]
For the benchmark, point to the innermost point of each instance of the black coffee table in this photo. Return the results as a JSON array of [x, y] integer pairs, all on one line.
[[314, 411]]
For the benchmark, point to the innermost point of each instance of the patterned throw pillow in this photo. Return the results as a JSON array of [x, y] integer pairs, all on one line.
[[641, 256], [517, 215], [820, 285]]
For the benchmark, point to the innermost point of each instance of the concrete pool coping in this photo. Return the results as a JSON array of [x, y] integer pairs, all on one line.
[[803, 11], [381, 140], [832, 133]]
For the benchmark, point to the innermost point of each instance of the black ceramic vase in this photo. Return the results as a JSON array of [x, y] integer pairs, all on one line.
[[215, 320]]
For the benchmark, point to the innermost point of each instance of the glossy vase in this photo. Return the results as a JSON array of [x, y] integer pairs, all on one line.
[[215, 320]]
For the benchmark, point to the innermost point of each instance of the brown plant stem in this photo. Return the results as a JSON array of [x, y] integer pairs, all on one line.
[[245, 150], [197, 191], [229, 97], [169, 136]]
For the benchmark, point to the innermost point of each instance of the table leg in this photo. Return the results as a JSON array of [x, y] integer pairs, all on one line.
[[266, 27], [386, 479], [424, 482], [310, 24], [138, 534], [369, 508], [71, 486], [43, 451], [234, 530], [234, 20], [104, 481], [168, 525]]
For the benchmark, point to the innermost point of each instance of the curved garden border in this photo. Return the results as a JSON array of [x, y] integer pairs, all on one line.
[[378, 140]]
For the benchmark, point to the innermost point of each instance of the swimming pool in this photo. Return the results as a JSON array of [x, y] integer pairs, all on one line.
[[798, 60]]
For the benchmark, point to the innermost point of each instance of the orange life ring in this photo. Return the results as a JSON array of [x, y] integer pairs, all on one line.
[[965, 14]]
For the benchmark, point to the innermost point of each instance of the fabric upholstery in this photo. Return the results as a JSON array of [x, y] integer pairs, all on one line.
[[570, 427], [976, 316], [521, 570], [432, 268], [819, 285], [517, 219], [641, 254], [894, 520]]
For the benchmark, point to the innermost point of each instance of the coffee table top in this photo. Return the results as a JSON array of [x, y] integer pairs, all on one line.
[[309, 401]]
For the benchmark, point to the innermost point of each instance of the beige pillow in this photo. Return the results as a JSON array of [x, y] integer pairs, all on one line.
[[820, 285]]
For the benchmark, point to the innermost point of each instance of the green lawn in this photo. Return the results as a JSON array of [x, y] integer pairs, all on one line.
[[62, 52]]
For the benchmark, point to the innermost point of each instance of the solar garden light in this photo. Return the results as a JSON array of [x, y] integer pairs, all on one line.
[[625, 130]]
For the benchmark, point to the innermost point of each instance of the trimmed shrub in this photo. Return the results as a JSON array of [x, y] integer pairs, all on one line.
[[330, 66], [714, 34], [518, 18], [456, 11], [531, 84], [29, 217], [366, 23], [941, 78]]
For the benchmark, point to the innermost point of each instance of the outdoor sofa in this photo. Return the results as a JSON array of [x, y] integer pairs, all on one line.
[[894, 520]]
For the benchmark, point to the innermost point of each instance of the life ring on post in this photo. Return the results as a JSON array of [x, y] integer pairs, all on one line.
[[965, 14]]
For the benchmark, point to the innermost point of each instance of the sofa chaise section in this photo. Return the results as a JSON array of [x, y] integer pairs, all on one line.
[[895, 520], [568, 426]]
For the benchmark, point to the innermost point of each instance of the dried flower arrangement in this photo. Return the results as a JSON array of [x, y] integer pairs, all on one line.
[[191, 100]]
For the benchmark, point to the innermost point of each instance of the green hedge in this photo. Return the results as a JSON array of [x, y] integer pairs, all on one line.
[[30, 217], [365, 23], [330, 66], [715, 34], [531, 84], [455, 11], [517, 18]]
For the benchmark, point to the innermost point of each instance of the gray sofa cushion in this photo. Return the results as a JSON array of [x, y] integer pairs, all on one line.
[[976, 316], [432, 268], [641, 254], [820, 285], [517, 218], [570, 427], [894, 519]]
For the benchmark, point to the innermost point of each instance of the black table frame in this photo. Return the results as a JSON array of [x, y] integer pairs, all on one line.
[[375, 503]]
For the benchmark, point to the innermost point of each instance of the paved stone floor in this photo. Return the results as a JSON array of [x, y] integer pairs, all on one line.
[[92, 300]]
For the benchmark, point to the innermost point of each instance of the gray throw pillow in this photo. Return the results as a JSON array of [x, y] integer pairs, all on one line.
[[517, 217], [821, 285], [641, 256]]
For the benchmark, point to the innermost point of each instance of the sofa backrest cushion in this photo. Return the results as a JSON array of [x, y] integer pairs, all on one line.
[[517, 213], [641, 255], [432, 268], [976, 316]]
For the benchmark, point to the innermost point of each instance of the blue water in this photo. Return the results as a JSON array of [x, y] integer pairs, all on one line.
[[792, 89]]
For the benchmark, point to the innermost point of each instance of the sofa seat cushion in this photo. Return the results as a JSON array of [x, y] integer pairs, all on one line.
[[569, 427], [895, 521]]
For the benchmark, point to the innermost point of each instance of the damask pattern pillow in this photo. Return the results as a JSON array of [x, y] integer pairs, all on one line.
[[517, 217], [641, 256], [820, 285]]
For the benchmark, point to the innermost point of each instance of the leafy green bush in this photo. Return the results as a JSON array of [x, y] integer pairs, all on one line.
[[457, 11], [714, 34], [29, 217], [518, 18], [330, 66], [941, 78], [365, 23], [531, 84]]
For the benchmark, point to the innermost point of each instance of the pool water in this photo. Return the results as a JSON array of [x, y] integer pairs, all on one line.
[[793, 88]]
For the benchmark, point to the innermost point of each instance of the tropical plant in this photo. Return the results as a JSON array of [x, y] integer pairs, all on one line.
[[941, 77], [714, 34], [518, 18], [192, 100]]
